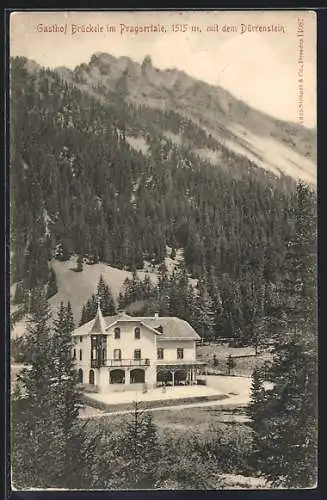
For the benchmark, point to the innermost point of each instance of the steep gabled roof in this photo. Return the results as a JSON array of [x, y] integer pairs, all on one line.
[[172, 328], [87, 327]]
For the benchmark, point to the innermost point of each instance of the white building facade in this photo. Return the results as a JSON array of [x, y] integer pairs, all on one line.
[[121, 352]]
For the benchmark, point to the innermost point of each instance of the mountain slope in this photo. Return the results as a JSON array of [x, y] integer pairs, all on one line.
[[96, 174], [78, 287], [279, 147]]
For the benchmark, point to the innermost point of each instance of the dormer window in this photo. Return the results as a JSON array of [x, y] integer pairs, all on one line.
[[160, 328], [137, 333], [117, 333]]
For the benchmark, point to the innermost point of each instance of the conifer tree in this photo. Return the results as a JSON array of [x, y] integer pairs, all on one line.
[[70, 317], [163, 290], [79, 262], [173, 253], [256, 412], [34, 463], [108, 308], [260, 333], [140, 450], [83, 319], [89, 310], [287, 434], [77, 449], [49, 446], [178, 293], [148, 288], [36, 260], [121, 301], [107, 301], [52, 288], [203, 313]]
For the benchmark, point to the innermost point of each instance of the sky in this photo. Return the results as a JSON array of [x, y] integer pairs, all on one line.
[[260, 68]]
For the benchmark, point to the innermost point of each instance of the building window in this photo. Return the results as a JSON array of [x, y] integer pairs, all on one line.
[[160, 353], [117, 354], [117, 333], [137, 333], [80, 355], [180, 353], [80, 376], [81, 338], [137, 354], [91, 377], [74, 354]]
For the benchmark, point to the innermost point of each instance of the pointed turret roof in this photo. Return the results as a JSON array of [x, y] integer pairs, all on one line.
[[99, 324]]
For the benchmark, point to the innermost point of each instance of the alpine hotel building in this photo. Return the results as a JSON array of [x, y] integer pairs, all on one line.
[[127, 353]]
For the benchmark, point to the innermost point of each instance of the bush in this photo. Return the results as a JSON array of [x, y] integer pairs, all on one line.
[[183, 466], [231, 363], [229, 445], [79, 264]]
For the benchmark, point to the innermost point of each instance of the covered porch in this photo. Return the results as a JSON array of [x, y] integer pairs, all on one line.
[[176, 373]]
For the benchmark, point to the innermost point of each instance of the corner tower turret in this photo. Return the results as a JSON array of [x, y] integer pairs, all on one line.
[[98, 340]]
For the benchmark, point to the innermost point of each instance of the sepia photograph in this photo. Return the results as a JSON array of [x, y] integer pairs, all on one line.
[[163, 250]]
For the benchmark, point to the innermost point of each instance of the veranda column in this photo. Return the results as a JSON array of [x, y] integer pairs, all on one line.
[[173, 376]]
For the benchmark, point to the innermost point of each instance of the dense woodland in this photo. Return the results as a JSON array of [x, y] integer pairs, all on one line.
[[249, 240], [77, 187], [51, 447]]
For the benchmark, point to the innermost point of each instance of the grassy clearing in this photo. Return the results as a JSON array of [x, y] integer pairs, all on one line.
[[206, 352], [200, 421], [244, 357], [181, 422], [78, 287]]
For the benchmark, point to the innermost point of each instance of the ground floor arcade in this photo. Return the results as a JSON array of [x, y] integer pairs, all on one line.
[[125, 378], [176, 375]]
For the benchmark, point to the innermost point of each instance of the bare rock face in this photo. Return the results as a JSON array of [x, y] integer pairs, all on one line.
[[279, 147], [146, 65]]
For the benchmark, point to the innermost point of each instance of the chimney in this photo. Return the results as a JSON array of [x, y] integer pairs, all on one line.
[[156, 315]]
